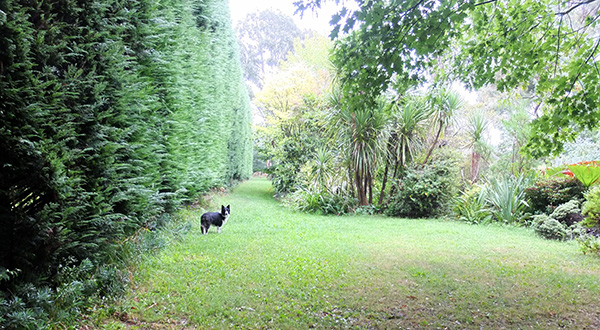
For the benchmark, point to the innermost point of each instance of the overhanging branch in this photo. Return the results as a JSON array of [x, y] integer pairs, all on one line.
[[566, 12]]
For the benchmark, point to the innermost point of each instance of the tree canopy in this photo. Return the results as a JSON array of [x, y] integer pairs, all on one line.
[[306, 72], [548, 47], [265, 38]]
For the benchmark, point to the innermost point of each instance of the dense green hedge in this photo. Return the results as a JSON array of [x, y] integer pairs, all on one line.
[[112, 113]]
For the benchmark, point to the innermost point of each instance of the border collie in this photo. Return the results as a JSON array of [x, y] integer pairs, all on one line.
[[214, 218]]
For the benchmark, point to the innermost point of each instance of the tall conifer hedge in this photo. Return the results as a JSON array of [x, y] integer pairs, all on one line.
[[112, 113]]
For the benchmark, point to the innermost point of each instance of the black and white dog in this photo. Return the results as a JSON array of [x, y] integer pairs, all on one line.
[[214, 218]]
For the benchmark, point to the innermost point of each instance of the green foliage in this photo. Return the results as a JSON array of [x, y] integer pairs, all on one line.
[[589, 244], [18, 313], [546, 194], [112, 114], [443, 104], [293, 144], [471, 206], [405, 138], [407, 129], [586, 146], [551, 172], [529, 44], [358, 128], [292, 102], [591, 208], [586, 172], [477, 126], [506, 195], [549, 228], [516, 127], [321, 202], [285, 177], [425, 191], [568, 213]]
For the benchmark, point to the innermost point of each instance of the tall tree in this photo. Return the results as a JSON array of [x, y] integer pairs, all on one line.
[[443, 104], [307, 72], [405, 137], [517, 131], [476, 127], [359, 132], [265, 38]]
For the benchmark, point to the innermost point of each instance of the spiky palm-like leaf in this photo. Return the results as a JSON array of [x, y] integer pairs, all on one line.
[[358, 131], [408, 126], [443, 104], [476, 127], [507, 195]]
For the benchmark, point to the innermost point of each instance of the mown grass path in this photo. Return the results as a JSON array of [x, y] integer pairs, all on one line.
[[271, 268]]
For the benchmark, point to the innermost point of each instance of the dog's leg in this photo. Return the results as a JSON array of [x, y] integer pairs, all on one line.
[[219, 230]]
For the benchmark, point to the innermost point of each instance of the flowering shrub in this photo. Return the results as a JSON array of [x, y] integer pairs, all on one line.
[[588, 173]]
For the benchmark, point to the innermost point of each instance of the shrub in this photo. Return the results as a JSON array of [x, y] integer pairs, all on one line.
[[323, 202], [591, 208], [589, 244], [471, 207], [27, 309], [546, 194], [577, 231], [424, 192], [506, 195], [568, 213], [366, 210], [549, 228], [284, 177]]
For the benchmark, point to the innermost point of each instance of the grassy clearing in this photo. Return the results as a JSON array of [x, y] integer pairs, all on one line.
[[275, 269]]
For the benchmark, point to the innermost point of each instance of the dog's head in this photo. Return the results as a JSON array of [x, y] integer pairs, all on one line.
[[225, 212]]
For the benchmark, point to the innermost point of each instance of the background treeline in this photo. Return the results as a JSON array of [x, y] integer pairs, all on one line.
[[112, 113]]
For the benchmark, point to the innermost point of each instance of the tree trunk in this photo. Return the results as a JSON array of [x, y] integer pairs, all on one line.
[[369, 186], [392, 141], [435, 141], [393, 189], [350, 177], [475, 160], [360, 189], [398, 164], [383, 184]]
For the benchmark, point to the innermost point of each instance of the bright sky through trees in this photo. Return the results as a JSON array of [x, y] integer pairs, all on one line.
[[314, 21]]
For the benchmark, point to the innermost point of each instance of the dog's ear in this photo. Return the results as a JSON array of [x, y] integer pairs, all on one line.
[[228, 207]]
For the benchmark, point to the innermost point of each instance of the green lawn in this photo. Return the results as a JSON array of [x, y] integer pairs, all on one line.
[[275, 269]]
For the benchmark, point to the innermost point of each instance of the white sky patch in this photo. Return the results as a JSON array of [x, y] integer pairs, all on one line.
[[318, 21], [468, 96]]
